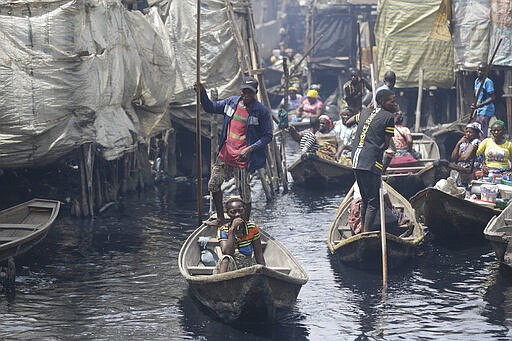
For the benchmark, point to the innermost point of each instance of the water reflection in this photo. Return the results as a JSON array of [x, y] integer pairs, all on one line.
[[198, 321], [117, 278]]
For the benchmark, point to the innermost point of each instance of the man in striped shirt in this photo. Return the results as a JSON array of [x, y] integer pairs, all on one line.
[[374, 132], [246, 132]]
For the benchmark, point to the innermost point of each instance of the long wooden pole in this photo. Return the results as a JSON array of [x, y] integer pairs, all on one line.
[[383, 240], [372, 76], [198, 118], [359, 46], [418, 103]]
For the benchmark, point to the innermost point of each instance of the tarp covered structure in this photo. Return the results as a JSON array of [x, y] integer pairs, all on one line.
[[73, 72], [477, 27], [79, 71], [335, 32], [221, 54], [414, 34]]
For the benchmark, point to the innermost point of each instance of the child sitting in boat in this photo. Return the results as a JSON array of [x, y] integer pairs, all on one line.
[[239, 240]]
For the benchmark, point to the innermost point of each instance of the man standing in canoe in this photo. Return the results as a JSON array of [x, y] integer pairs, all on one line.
[[484, 104], [246, 132], [374, 132]]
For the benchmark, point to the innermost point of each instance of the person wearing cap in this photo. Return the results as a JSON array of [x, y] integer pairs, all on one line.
[[484, 104], [374, 132], [311, 106], [497, 150], [246, 132], [353, 90], [463, 154], [294, 101]]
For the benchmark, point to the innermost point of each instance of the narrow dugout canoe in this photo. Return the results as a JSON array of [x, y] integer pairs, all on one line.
[[314, 171], [257, 290], [364, 250], [448, 216], [429, 169], [499, 233], [25, 225]]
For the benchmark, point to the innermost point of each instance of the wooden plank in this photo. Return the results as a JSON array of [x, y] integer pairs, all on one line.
[[18, 226], [42, 204], [404, 169], [423, 142], [215, 242], [508, 221], [8, 239], [284, 270], [200, 270]]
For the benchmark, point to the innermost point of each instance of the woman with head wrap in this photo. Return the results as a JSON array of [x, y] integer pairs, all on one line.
[[294, 101], [464, 152], [311, 106], [497, 150]]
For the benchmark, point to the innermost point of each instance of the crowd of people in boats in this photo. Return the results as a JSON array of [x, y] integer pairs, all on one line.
[[366, 137]]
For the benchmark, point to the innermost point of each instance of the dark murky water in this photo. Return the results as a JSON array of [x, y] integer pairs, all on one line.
[[117, 278]]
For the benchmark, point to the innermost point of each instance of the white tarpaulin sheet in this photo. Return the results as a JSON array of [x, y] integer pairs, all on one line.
[[501, 28], [219, 67], [478, 25], [70, 73]]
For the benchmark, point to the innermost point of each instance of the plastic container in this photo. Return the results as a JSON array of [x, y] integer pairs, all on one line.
[[489, 192], [505, 191], [506, 182]]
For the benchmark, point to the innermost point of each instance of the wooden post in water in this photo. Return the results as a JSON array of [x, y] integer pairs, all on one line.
[[198, 118], [418, 104]]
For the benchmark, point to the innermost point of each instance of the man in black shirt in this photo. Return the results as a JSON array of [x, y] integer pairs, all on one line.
[[374, 132]]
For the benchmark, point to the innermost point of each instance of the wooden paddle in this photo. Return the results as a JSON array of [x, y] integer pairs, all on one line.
[[383, 240], [198, 118]]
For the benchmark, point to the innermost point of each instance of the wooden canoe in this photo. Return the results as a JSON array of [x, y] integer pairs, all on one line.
[[25, 225], [313, 171], [257, 290], [364, 250], [499, 232], [409, 180], [448, 216]]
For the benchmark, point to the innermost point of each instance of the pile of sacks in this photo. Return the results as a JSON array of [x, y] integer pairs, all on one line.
[[449, 186]]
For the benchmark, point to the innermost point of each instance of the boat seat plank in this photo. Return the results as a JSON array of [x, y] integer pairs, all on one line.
[[404, 169], [42, 205], [7, 239], [200, 270], [18, 226], [215, 242], [208, 270], [508, 221], [284, 270]]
